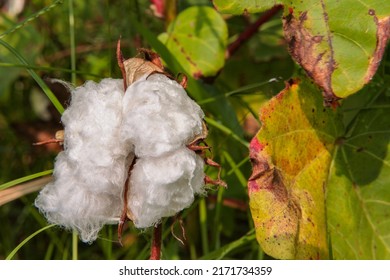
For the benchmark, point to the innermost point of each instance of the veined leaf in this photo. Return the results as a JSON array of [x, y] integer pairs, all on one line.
[[339, 43], [358, 193], [304, 163], [291, 155], [198, 38]]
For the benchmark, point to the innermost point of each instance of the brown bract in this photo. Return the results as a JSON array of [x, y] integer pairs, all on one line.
[[137, 67], [134, 68]]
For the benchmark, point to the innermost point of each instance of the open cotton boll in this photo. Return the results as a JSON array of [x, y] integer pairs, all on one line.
[[159, 117], [162, 186], [90, 173]]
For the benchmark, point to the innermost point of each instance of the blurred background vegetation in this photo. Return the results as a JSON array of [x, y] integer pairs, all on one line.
[[75, 41]]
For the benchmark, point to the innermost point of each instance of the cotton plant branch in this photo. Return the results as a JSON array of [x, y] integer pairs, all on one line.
[[247, 34], [251, 30]]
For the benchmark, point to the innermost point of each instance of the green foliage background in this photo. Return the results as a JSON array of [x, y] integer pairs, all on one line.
[[218, 226]]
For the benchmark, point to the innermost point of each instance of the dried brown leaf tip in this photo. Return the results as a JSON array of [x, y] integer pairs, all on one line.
[[313, 52], [382, 37]]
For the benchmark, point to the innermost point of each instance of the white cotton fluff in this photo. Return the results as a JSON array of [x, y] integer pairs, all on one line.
[[90, 173], [162, 186], [104, 130], [159, 117]]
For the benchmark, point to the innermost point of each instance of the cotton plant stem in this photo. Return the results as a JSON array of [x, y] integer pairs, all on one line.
[[73, 79], [203, 225], [75, 242], [155, 251], [251, 30], [72, 42]]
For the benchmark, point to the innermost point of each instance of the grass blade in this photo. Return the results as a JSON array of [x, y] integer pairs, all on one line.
[[226, 130], [35, 76], [21, 244], [31, 18], [225, 250], [21, 190], [51, 69], [25, 179]]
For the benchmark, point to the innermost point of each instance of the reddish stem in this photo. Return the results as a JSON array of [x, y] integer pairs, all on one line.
[[251, 30], [230, 202], [155, 252], [49, 141]]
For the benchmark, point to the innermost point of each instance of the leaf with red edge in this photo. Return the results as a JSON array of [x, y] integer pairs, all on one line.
[[291, 155], [339, 43]]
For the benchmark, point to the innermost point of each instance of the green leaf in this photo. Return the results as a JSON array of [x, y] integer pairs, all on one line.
[[339, 50], [198, 38], [338, 43], [291, 155], [227, 249], [238, 7], [358, 193], [25, 179]]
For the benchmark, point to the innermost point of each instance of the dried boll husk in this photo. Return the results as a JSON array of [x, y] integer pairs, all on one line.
[[136, 68]]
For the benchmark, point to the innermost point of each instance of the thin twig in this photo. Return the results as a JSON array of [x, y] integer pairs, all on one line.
[[155, 252], [177, 218], [251, 30], [87, 48]]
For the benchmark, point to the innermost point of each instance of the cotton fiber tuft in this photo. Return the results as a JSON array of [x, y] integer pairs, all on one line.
[[159, 117], [162, 186], [90, 173]]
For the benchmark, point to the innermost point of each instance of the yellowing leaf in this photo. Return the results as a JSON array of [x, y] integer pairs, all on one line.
[[291, 155]]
